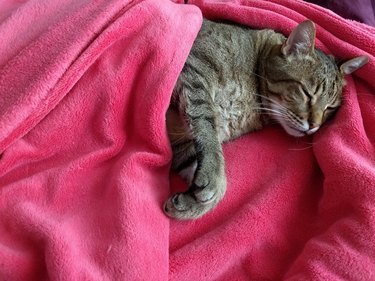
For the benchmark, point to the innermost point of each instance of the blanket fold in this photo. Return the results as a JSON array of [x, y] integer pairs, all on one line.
[[85, 155], [84, 167]]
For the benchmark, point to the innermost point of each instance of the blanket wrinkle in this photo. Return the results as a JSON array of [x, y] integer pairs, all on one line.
[[81, 172], [84, 171]]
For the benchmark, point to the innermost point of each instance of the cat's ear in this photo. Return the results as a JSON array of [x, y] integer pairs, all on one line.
[[353, 64], [301, 40]]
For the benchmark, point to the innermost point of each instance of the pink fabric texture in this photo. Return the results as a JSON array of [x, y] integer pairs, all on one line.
[[84, 167]]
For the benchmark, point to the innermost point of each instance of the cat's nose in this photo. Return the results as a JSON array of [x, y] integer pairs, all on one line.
[[313, 125]]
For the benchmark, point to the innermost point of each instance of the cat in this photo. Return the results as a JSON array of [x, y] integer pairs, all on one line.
[[235, 80]]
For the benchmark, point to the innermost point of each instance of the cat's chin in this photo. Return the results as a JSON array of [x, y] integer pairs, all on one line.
[[293, 132]]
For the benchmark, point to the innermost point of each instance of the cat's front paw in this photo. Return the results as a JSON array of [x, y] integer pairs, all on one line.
[[185, 206], [197, 201]]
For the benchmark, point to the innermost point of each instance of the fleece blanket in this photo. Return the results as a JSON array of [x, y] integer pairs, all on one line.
[[84, 168]]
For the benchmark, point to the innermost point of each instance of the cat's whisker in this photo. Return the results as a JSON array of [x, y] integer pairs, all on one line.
[[310, 144], [178, 140], [179, 137], [300, 149], [275, 115], [256, 74], [268, 113], [272, 101], [281, 107], [262, 96], [269, 110], [176, 133]]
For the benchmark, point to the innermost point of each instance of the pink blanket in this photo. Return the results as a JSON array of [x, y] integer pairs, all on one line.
[[84, 168]]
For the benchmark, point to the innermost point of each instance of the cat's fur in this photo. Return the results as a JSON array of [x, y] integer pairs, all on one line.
[[234, 80]]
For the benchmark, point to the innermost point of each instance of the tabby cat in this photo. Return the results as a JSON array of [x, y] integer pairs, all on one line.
[[234, 81]]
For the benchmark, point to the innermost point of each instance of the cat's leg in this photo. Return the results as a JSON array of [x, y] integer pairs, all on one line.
[[209, 182]]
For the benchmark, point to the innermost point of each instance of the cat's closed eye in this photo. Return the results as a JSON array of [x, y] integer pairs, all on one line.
[[306, 93]]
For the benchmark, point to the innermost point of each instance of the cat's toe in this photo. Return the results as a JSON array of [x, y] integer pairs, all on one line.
[[183, 206], [179, 202], [205, 196]]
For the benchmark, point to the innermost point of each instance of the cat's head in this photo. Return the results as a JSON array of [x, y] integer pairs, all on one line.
[[303, 86]]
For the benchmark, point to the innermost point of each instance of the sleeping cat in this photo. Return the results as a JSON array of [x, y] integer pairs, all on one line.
[[234, 81]]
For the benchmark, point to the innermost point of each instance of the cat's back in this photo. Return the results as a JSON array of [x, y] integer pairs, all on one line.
[[222, 43]]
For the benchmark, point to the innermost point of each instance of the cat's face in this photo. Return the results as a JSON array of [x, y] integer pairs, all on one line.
[[303, 92], [303, 86]]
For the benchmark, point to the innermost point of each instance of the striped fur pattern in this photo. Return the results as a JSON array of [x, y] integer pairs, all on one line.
[[234, 81]]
